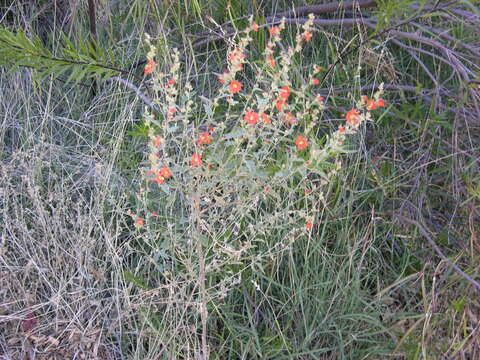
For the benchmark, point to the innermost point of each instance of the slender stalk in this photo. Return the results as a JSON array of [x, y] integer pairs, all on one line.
[[92, 16], [93, 37], [201, 276]]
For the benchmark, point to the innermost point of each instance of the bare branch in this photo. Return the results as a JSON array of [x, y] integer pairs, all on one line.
[[141, 95], [427, 236], [327, 8]]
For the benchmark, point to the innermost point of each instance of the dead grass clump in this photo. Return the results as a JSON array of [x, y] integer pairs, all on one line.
[[57, 299]]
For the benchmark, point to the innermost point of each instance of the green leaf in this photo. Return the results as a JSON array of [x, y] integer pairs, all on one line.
[[136, 280]]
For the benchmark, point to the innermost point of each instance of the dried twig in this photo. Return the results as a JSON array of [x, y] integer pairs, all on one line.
[[139, 93], [445, 34], [427, 236], [328, 8]]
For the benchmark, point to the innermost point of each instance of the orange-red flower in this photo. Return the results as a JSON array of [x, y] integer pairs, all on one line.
[[172, 110], [301, 142], [280, 104], [364, 98], [251, 117], [139, 222], [165, 172], [307, 36], [275, 30], [157, 141], [380, 103], [149, 67], [285, 92], [236, 54], [353, 117], [341, 129], [315, 81], [265, 118], [196, 160], [371, 105], [235, 86], [254, 26], [290, 119], [308, 225], [319, 98], [204, 139], [159, 179], [271, 61], [171, 82]]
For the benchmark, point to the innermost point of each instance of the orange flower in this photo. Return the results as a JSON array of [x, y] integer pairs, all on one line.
[[254, 26], [380, 103], [265, 118], [275, 30], [315, 81], [149, 67], [171, 82], [236, 54], [204, 139], [307, 191], [307, 36], [271, 61], [165, 172], [371, 105], [353, 117], [284, 92], [139, 222], [290, 119], [309, 225], [159, 179], [319, 98], [341, 129], [251, 117], [364, 98], [235, 86], [157, 141], [196, 160], [280, 104], [301, 142]]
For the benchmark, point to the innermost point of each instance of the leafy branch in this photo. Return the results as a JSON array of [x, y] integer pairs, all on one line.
[[82, 61]]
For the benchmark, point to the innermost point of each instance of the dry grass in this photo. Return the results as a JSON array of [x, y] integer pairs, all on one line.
[[61, 254]]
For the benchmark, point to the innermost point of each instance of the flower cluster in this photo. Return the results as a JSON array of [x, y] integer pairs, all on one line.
[[275, 115]]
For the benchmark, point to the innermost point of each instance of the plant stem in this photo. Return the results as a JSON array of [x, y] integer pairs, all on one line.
[[201, 275]]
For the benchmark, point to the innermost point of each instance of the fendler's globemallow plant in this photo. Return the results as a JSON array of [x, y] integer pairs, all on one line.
[[230, 181]]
